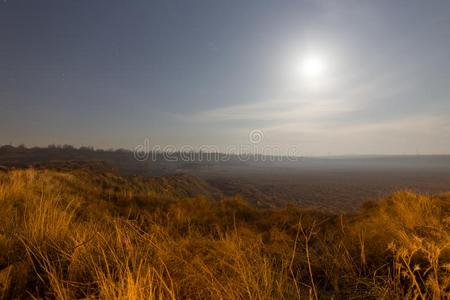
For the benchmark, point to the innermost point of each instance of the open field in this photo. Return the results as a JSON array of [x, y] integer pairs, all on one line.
[[336, 190], [336, 184]]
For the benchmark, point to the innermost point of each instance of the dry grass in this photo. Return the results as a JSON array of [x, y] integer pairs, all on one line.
[[68, 235]]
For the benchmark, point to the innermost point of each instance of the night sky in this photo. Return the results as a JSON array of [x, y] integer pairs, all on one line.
[[110, 74]]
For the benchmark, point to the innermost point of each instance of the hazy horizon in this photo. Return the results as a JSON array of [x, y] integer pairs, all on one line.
[[322, 77]]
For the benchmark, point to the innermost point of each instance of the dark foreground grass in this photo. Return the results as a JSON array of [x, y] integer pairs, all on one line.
[[76, 234]]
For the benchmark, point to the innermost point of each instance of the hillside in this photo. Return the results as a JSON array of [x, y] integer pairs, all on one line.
[[70, 234]]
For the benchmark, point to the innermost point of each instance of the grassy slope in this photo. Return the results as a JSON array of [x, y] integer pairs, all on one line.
[[80, 234]]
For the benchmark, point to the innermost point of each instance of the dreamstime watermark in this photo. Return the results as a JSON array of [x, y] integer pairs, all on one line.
[[254, 150]]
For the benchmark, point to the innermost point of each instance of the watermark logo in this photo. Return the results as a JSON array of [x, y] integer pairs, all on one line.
[[256, 136], [254, 150], [142, 152]]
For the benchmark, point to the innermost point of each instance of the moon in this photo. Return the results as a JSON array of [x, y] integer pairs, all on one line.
[[310, 70], [312, 67]]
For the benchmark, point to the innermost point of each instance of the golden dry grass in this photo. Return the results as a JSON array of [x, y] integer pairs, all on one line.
[[68, 235]]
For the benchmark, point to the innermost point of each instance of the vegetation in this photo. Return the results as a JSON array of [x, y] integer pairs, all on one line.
[[81, 234]]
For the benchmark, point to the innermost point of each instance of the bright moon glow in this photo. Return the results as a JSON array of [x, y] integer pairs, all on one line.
[[312, 67]]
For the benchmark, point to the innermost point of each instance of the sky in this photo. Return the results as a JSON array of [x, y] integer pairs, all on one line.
[[321, 77]]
